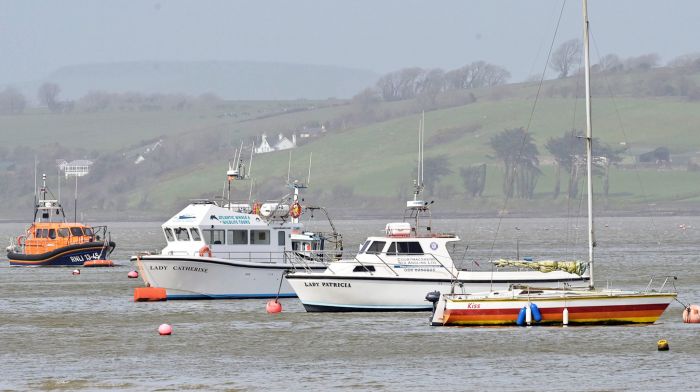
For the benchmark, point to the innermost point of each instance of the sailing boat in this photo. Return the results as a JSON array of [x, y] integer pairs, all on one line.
[[523, 305]]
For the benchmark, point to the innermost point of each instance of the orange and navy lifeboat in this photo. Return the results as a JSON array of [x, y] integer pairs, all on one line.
[[51, 241], [59, 244]]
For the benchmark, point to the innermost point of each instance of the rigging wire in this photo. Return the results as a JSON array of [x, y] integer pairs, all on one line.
[[527, 129]]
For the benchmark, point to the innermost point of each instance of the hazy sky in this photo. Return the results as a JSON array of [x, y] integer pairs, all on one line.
[[37, 37]]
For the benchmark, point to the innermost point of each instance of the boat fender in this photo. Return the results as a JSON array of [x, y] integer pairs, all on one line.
[[536, 315], [521, 316], [691, 314], [204, 251]]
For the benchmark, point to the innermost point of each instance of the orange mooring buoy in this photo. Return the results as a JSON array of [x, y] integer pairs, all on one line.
[[149, 294], [691, 314], [98, 263], [273, 306], [165, 329], [132, 275]]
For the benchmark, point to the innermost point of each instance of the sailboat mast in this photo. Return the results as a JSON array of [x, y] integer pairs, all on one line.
[[589, 140]]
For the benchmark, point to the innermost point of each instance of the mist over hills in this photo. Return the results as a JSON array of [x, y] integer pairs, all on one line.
[[242, 80]]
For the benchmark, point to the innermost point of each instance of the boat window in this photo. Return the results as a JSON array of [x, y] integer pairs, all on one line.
[[76, 231], [195, 235], [169, 234], [238, 237], [181, 234], [214, 237], [376, 247], [392, 249], [364, 246], [409, 248], [363, 268], [281, 236], [41, 233], [52, 234], [260, 237], [63, 232], [88, 231]]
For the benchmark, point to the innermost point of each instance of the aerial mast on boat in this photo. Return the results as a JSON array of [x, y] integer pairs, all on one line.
[[77, 168], [237, 170]]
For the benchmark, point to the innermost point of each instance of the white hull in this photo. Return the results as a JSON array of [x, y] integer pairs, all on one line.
[[325, 292], [215, 278]]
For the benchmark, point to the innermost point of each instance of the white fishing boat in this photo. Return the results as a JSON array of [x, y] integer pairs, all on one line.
[[237, 250], [394, 271], [526, 306]]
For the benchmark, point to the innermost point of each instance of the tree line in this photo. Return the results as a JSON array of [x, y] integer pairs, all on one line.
[[12, 101], [516, 149]]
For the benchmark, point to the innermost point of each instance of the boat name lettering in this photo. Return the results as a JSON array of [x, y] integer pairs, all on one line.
[[326, 284], [234, 219], [85, 257], [158, 267], [189, 268], [473, 305]]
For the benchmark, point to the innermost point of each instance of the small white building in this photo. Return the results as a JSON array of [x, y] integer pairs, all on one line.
[[283, 143]]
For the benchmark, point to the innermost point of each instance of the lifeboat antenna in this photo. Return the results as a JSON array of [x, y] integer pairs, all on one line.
[[78, 168]]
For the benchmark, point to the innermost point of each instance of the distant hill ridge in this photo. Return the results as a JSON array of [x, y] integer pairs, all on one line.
[[240, 80]]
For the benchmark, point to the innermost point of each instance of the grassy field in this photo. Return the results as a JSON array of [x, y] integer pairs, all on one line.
[[375, 162]]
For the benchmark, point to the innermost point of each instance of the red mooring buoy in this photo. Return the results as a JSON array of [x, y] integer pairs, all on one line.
[[165, 329], [132, 275], [273, 306]]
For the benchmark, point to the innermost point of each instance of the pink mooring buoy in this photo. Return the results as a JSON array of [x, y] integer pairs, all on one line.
[[273, 306], [132, 274], [76, 272], [165, 329]]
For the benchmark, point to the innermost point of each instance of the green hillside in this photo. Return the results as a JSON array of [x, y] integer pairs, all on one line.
[[366, 159]]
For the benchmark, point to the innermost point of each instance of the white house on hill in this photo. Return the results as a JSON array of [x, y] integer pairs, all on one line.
[[283, 143]]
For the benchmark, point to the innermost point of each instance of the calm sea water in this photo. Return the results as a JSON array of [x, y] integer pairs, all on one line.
[[64, 332]]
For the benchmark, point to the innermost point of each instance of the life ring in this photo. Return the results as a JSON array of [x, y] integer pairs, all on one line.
[[204, 250], [308, 247], [295, 211], [19, 240], [256, 208]]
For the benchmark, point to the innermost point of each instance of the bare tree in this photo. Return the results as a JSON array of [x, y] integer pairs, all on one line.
[[565, 57], [643, 62], [12, 101], [48, 95], [610, 63]]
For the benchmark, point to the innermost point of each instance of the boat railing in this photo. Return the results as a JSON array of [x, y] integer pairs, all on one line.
[[666, 278], [305, 259], [444, 266]]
